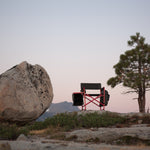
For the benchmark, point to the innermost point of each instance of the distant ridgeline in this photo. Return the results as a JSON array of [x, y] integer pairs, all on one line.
[[56, 108]]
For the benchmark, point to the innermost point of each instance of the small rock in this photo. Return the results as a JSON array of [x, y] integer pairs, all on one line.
[[5, 146], [22, 137]]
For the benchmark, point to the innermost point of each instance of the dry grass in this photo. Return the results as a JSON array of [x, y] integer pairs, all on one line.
[[50, 132], [38, 132]]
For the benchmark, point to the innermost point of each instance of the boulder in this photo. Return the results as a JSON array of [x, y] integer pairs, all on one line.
[[108, 135], [25, 93], [22, 137]]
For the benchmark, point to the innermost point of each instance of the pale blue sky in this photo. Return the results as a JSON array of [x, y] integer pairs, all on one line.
[[74, 40]]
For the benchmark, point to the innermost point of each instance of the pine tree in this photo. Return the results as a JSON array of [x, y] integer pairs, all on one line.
[[133, 69]]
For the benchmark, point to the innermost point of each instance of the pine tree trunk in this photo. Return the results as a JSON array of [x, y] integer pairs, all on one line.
[[141, 101], [141, 94]]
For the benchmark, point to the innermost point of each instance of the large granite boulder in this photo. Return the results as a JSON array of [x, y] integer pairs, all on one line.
[[25, 93]]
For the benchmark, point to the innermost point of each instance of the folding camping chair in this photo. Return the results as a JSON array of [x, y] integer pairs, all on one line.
[[101, 99]]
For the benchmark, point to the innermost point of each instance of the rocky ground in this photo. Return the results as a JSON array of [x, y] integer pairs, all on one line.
[[49, 144], [118, 137], [112, 135], [86, 139]]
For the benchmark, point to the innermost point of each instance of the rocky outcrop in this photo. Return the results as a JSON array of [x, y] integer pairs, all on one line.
[[25, 93], [48, 144], [111, 135]]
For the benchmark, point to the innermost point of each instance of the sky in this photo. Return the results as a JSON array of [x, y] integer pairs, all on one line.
[[76, 41]]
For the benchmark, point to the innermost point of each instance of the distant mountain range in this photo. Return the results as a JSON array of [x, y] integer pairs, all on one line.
[[56, 108]]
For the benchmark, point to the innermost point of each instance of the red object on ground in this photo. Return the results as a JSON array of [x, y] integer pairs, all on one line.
[[83, 99]]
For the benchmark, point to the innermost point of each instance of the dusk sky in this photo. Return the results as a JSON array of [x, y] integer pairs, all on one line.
[[74, 40]]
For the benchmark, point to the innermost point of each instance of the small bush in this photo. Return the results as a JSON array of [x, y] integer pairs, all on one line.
[[100, 120], [69, 121], [37, 126], [63, 122], [11, 132]]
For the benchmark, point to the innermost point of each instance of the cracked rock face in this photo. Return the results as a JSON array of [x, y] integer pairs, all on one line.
[[25, 93]]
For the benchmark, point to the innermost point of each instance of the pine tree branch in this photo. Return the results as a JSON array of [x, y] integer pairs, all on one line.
[[135, 98], [128, 92]]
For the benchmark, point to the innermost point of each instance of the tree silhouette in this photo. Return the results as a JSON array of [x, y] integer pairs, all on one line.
[[133, 69]]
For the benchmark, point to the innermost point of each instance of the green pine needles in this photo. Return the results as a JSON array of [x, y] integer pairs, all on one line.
[[133, 69]]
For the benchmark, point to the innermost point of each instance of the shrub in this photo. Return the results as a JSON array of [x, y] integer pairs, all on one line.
[[11, 132], [69, 121], [63, 122], [101, 120]]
